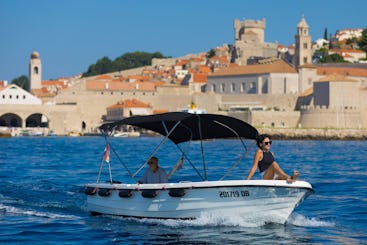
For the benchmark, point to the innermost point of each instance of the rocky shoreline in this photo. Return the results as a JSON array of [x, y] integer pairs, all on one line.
[[298, 134], [315, 134]]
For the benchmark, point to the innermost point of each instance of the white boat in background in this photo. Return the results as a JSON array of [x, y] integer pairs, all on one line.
[[193, 109], [74, 134], [120, 134], [126, 134], [253, 200]]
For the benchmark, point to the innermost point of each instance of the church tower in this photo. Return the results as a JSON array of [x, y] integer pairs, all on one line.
[[303, 52], [35, 71]]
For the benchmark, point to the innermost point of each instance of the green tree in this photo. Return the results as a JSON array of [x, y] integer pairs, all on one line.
[[325, 34], [22, 82], [363, 40], [102, 66], [333, 58], [351, 40], [210, 54], [124, 62]]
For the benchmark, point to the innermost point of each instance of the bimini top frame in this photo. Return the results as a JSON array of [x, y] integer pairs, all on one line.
[[182, 127]]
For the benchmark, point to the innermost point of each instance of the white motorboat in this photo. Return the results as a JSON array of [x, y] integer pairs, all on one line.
[[260, 200], [120, 134], [126, 134]]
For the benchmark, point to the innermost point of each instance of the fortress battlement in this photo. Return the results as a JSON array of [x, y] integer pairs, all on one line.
[[330, 109], [250, 23]]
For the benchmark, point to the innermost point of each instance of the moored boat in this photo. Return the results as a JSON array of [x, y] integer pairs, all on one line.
[[265, 200]]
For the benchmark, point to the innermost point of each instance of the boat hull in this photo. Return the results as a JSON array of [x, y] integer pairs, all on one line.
[[253, 200]]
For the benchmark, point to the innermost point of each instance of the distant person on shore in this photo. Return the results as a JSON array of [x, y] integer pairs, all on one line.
[[264, 160], [154, 174]]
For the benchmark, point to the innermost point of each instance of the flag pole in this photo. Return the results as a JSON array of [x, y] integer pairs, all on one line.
[[105, 158], [109, 169], [100, 171]]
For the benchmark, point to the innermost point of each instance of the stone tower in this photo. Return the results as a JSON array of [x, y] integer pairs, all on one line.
[[249, 41], [35, 71], [303, 52]]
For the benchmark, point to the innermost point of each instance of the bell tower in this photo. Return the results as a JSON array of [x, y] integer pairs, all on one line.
[[35, 71], [303, 54]]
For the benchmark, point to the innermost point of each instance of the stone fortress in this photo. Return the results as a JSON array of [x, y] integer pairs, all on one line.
[[262, 83]]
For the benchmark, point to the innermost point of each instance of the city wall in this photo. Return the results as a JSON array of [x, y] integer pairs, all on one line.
[[323, 117]]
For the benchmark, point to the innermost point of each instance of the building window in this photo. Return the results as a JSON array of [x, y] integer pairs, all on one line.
[[10, 96], [3, 96], [24, 97], [285, 85], [17, 96], [264, 88], [252, 88], [35, 70], [223, 87], [214, 88], [243, 87], [233, 87], [305, 45], [305, 60]]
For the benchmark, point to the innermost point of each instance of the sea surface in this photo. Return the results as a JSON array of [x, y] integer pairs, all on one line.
[[42, 198]]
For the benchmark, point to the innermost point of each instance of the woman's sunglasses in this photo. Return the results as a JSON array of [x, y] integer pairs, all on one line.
[[268, 142]]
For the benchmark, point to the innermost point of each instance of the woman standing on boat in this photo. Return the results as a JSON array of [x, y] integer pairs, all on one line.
[[264, 159]]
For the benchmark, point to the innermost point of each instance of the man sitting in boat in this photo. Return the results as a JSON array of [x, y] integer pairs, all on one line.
[[264, 159], [154, 174]]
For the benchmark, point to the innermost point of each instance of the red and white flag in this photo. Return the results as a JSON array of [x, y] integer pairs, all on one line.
[[106, 153]]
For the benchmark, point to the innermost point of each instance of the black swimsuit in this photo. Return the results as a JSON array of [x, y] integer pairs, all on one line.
[[267, 160]]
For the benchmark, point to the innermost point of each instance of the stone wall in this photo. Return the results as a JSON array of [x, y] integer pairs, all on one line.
[[323, 117], [314, 134]]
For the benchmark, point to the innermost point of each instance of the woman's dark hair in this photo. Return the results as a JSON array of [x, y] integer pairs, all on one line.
[[261, 138]]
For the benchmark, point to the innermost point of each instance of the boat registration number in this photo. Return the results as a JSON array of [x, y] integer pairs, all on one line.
[[226, 194]]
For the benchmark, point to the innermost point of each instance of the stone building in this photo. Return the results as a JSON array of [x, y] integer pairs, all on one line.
[[127, 108], [274, 77], [337, 102], [304, 52], [35, 71], [12, 96], [263, 94], [249, 41]]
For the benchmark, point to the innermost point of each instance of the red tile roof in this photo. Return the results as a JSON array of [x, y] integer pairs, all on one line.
[[199, 77], [119, 86], [204, 69], [335, 78], [278, 66], [129, 104], [345, 71], [159, 111]]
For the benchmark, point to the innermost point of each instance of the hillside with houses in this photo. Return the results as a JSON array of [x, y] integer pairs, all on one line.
[[269, 85]]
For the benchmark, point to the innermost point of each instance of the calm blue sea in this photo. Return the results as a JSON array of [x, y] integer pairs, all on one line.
[[42, 198]]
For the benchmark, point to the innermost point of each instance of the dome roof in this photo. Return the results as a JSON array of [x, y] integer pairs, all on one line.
[[35, 55]]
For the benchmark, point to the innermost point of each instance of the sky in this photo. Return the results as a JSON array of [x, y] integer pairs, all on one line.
[[70, 35]]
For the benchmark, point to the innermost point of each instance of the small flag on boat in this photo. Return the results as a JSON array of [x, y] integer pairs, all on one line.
[[106, 153]]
